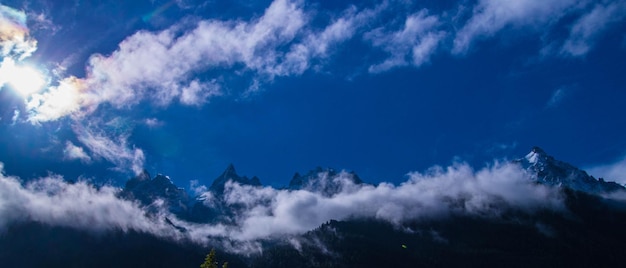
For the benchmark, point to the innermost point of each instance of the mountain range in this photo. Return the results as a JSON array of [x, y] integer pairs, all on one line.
[[584, 229]]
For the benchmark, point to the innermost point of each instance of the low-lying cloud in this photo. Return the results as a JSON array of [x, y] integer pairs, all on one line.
[[436, 193], [53, 201], [266, 212]]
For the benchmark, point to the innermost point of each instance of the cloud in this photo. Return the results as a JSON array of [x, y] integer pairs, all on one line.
[[66, 98], [114, 149], [413, 44], [53, 201], [168, 65], [586, 30], [610, 172], [318, 44], [15, 40], [72, 152], [153, 122], [557, 97], [267, 212], [160, 66], [187, 62], [437, 193], [491, 16], [197, 93], [16, 43]]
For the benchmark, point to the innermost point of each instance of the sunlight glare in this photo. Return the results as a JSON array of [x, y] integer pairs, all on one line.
[[25, 80]]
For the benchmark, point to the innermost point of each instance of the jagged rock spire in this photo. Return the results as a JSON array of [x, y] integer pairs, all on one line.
[[230, 174]]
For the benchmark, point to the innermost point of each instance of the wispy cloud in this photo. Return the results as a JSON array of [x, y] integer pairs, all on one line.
[[113, 148], [319, 44], [173, 65], [491, 16], [586, 30], [557, 97], [73, 152], [153, 122], [413, 44]]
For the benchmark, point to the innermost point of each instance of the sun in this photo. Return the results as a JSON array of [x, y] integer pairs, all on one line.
[[25, 80]]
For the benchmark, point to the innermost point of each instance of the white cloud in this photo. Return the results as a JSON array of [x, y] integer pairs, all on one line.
[[153, 122], [319, 44], [413, 44], [439, 192], [196, 188], [610, 172], [585, 31], [167, 66], [72, 152], [159, 66], [269, 212], [197, 93], [491, 16], [58, 101], [53, 201], [114, 149], [15, 40]]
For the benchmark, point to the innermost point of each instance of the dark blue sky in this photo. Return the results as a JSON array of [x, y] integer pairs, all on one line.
[[276, 87]]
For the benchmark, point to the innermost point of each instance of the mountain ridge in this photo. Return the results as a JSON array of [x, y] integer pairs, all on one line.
[[587, 232], [548, 170]]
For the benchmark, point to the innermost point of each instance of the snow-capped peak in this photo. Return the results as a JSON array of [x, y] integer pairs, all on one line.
[[535, 155], [548, 170]]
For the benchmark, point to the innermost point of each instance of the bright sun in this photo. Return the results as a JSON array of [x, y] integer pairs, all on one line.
[[25, 80]]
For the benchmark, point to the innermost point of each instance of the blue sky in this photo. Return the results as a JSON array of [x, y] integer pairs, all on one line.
[[275, 87]]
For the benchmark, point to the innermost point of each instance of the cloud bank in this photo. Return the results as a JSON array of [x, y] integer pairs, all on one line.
[[53, 201], [266, 212]]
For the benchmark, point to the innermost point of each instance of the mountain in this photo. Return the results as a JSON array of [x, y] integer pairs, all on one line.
[[325, 181], [160, 188], [585, 231], [590, 235], [550, 171], [231, 175], [210, 206]]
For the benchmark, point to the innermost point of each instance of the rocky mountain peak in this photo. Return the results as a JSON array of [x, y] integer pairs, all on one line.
[[548, 170], [324, 180], [230, 174]]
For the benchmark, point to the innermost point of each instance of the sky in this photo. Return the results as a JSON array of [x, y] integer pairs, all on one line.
[[104, 89]]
